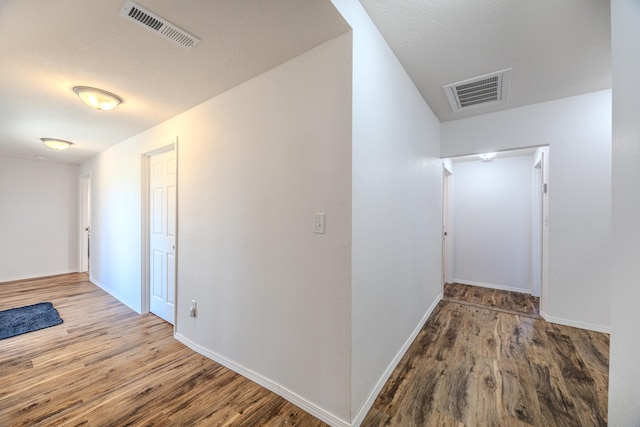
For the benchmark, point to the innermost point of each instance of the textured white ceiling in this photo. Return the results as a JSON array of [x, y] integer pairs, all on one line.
[[557, 48], [47, 47]]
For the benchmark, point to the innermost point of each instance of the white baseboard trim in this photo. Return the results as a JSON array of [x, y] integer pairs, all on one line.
[[36, 276], [301, 402], [362, 413], [267, 383], [575, 324], [492, 286]]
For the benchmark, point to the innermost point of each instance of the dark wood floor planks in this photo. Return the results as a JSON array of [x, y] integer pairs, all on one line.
[[504, 300], [469, 366], [474, 366]]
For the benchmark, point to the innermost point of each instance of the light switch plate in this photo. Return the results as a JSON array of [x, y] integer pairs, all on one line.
[[318, 223]]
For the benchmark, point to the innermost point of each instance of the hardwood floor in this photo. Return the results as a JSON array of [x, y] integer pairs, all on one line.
[[475, 366], [507, 301], [108, 366]]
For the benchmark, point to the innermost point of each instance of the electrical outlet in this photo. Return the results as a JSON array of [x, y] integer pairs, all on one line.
[[193, 311]]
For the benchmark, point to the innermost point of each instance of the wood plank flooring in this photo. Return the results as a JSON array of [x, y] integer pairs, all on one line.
[[469, 366], [108, 366], [475, 366], [497, 299]]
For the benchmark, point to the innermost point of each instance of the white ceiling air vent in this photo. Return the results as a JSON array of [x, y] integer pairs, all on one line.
[[149, 20], [479, 91]]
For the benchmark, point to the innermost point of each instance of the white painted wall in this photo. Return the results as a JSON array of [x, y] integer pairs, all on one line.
[[115, 219], [273, 296], [39, 213], [397, 210], [624, 386], [578, 131], [254, 165], [492, 217]]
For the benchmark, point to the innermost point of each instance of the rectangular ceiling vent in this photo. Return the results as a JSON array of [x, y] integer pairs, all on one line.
[[479, 91], [149, 20]]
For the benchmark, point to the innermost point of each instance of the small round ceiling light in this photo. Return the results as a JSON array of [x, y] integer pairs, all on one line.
[[487, 157], [98, 98], [56, 144]]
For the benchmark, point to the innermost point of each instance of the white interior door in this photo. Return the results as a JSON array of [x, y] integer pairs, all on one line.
[[162, 245]]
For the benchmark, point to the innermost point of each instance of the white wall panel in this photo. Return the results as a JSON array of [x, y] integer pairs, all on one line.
[[624, 387], [492, 220], [397, 209], [39, 216]]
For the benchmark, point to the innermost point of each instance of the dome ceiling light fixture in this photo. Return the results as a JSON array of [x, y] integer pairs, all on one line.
[[56, 144], [98, 98], [487, 157]]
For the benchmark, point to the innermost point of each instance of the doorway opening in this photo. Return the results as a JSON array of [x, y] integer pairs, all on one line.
[[499, 212]]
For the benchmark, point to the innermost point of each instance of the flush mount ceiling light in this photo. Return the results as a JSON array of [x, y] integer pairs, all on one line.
[[487, 157], [98, 98], [56, 144]]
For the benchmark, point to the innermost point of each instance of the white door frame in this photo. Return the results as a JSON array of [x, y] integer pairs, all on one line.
[[540, 228], [85, 221], [447, 224], [544, 288], [145, 234], [536, 228]]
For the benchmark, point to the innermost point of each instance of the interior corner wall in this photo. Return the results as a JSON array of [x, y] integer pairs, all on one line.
[[39, 213], [397, 210], [492, 219], [254, 165], [578, 131], [624, 386], [116, 222]]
